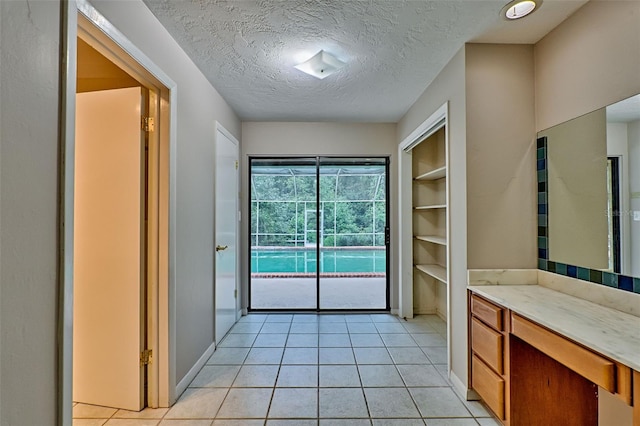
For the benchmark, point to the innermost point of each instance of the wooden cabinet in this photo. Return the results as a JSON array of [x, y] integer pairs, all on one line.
[[489, 372], [528, 374], [430, 216]]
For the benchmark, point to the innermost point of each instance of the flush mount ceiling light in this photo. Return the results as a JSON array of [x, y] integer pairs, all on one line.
[[321, 65], [517, 9]]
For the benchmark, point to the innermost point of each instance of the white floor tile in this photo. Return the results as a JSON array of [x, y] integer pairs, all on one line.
[[339, 376], [215, 376], [380, 376], [294, 403], [197, 403], [438, 402], [390, 403], [87, 411], [256, 376], [342, 403], [294, 376], [246, 403]]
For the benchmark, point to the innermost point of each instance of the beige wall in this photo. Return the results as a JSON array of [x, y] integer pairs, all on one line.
[[198, 106], [29, 64], [589, 61], [501, 147], [577, 191], [296, 139], [449, 86], [491, 170]]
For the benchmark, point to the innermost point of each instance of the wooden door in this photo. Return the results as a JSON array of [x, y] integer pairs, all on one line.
[[108, 250]]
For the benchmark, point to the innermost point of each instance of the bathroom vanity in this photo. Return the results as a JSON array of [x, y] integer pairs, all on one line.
[[539, 356]]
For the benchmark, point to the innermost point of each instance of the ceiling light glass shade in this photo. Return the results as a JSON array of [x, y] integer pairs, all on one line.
[[321, 65], [519, 8]]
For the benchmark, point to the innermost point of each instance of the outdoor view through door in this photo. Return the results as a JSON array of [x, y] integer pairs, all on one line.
[[324, 211]]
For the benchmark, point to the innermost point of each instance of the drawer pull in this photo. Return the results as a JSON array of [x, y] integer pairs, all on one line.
[[589, 365]]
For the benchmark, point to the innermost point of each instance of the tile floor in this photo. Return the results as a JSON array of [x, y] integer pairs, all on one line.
[[307, 369]]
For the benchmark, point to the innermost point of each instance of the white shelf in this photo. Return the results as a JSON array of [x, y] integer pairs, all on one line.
[[435, 174], [431, 207], [436, 271], [432, 239]]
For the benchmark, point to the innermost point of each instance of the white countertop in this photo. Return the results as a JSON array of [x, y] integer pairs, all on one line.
[[611, 333]]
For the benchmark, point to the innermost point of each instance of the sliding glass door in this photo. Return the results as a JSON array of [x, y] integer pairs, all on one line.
[[319, 234]]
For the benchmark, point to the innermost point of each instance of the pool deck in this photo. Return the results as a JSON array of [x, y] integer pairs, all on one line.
[[335, 293]]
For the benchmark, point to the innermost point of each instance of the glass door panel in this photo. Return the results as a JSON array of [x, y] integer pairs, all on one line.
[[353, 244], [283, 234]]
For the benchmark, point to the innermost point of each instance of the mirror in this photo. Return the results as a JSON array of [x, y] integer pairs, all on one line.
[[589, 193]]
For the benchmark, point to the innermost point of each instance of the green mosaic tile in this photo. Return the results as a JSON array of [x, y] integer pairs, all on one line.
[[541, 153], [595, 276], [542, 220], [542, 197], [542, 176], [542, 242], [636, 285], [583, 273], [542, 264], [561, 268], [610, 279]]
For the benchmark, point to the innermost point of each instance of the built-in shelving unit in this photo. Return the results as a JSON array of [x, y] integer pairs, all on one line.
[[436, 271], [432, 239], [430, 250], [434, 174]]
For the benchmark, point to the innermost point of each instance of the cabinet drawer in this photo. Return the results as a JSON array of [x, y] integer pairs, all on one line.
[[487, 312], [590, 365], [487, 343], [489, 386]]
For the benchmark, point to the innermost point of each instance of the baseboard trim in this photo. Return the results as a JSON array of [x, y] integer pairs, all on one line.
[[461, 389], [193, 372]]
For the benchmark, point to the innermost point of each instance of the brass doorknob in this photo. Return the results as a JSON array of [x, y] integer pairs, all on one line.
[[221, 248]]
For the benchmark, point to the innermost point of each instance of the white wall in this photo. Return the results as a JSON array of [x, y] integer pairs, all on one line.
[[199, 104], [29, 64], [296, 139]]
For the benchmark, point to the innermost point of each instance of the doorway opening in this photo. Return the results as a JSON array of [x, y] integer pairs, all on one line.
[[115, 222], [319, 237], [613, 207]]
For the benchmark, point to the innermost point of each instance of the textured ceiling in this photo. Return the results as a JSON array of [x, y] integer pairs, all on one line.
[[393, 49]]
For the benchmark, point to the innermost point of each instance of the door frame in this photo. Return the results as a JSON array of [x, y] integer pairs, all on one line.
[[318, 160], [437, 120], [80, 18]]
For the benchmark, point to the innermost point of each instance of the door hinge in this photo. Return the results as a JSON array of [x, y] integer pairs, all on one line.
[[235, 293], [236, 165], [148, 124], [146, 357]]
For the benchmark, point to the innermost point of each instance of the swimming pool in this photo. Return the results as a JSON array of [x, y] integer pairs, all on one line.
[[331, 261]]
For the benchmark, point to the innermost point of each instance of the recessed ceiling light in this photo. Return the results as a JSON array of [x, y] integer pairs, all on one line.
[[321, 65], [517, 9]]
